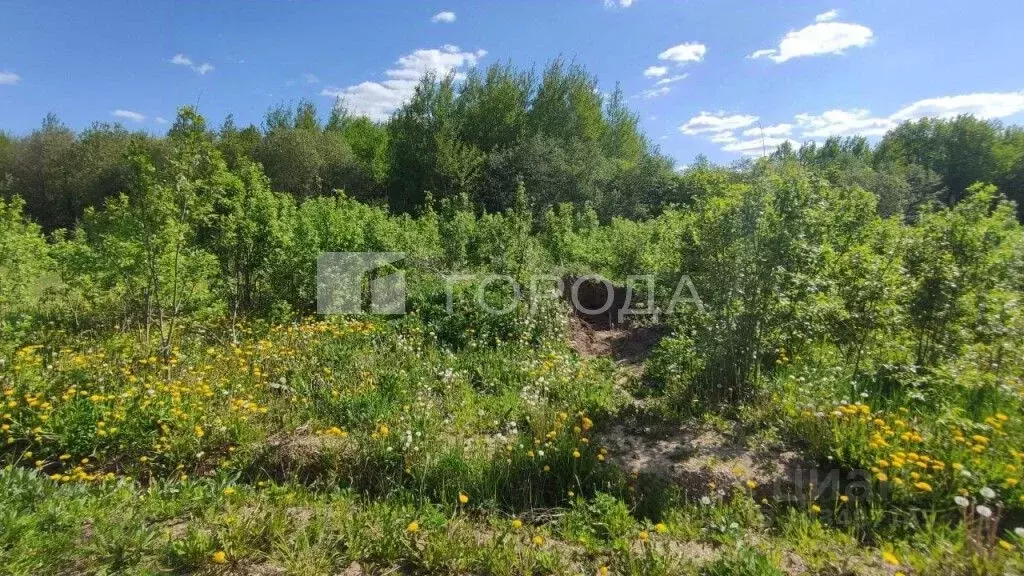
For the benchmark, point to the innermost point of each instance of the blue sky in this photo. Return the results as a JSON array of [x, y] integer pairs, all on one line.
[[844, 68]]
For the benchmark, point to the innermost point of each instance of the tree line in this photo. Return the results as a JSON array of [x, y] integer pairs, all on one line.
[[479, 138]]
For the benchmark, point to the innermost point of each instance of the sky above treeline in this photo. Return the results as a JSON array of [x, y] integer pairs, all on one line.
[[716, 77]]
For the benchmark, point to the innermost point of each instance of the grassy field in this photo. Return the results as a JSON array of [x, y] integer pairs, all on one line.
[[354, 447], [840, 392]]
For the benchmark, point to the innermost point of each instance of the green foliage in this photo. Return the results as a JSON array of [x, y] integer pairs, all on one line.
[[24, 260], [166, 407], [742, 562]]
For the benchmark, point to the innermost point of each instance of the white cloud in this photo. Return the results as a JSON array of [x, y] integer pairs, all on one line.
[[445, 17], [310, 78], [827, 16], [671, 79], [823, 37], [758, 146], [860, 122], [851, 122], [686, 52], [128, 115], [981, 104], [9, 78], [183, 60], [655, 92], [655, 71], [720, 127], [718, 122], [619, 3], [776, 130], [378, 100], [160, 120]]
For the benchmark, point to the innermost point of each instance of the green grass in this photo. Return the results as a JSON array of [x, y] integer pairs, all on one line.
[[306, 448]]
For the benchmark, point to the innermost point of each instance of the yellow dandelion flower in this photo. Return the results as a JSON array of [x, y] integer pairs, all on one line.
[[517, 523], [890, 558], [644, 536], [219, 557], [660, 528], [538, 540], [413, 527], [463, 498]]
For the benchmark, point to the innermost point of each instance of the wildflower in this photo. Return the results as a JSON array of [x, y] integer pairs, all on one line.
[[602, 571], [517, 523], [988, 492], [983, 511], [644, 536], [219, 557], [1011, 482], [890, 558], [660, 528], [844, 498], [229, 491], [575, 453], [383, 430], [538, 540], [961, 501], [751, 484], [413, 527], [463, 498], [923, 486], [815, 509], [1019, 532], [1005, 545]]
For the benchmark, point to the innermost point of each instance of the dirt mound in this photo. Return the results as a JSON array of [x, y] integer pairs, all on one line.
[[699, 459], [302, 456]]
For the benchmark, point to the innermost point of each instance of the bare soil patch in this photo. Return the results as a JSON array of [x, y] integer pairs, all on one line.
[[699, 459]]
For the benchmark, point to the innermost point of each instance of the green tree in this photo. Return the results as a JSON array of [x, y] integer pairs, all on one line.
[[24, 260]]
